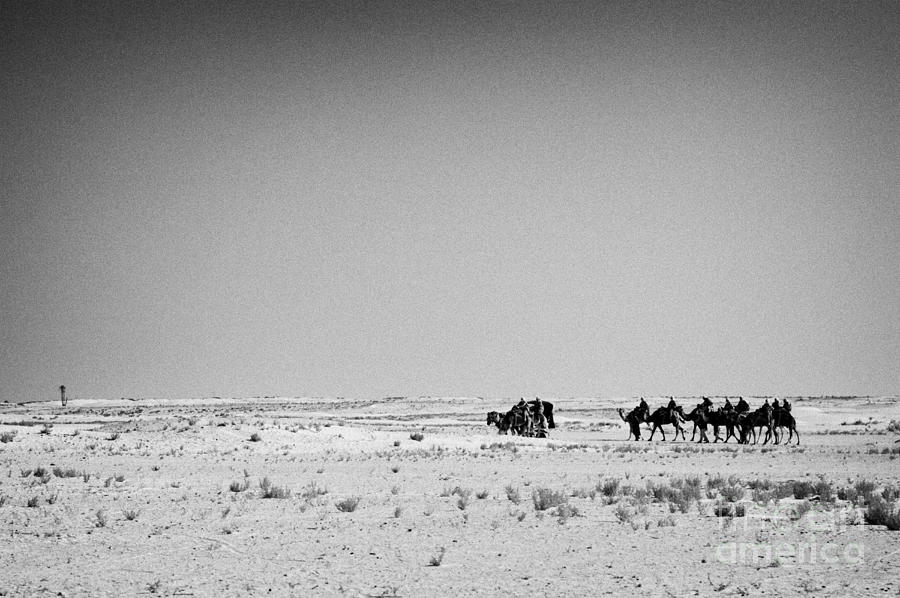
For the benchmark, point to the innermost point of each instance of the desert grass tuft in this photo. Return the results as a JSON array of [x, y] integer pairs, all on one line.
[[269, 490], [438, 558], [239, 486], [348, 505], [881, 512], [545, 498]]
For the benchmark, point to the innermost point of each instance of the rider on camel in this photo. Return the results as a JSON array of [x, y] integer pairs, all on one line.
[[671, 407], [742, 405]]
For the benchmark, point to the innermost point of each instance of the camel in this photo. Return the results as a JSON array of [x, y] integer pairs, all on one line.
[[761, 418], [700, 417], [723, 417], [783, 419], [500, 420], [665, 416], [634, 419]]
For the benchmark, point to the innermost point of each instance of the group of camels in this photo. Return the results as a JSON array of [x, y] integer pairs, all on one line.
[[739, 422], [524, 419]]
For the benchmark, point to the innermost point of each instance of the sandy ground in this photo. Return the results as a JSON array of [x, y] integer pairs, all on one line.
[[149, 509]]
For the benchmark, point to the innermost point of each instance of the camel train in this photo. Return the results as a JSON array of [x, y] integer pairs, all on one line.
[[738, 421], [527, 418]]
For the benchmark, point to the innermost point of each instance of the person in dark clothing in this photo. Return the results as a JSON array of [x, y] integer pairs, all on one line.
[[728, 406]]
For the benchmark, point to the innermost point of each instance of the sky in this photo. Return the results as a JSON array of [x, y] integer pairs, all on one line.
[[494, 199]]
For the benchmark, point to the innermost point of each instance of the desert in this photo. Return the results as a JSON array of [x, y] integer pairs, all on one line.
[[417, 496]]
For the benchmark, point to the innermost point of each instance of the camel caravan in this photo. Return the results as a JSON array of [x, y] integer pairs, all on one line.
[[526, 418], [738, 421]]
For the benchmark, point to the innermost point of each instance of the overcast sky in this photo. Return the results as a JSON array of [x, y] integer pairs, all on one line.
[[470, 198]]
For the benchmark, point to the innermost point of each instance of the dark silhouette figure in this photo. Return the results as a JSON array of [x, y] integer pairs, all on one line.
[[62, 395], [671, 416], [782, 418], [634, 418], [700, 417]]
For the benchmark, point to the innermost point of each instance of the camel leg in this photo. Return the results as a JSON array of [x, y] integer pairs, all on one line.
[[694, 432]]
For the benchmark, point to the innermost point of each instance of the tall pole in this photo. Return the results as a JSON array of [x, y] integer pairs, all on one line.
[[62, 395]]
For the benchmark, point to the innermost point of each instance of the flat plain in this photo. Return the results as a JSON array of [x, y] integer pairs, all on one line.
[[418, 496]]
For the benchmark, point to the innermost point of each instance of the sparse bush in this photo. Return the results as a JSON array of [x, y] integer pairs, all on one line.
[[847, 493], [85, 476], [864, 488], [113, 436], [33, 501], [255, 437], [100, 518], [130, 514], [715, 482], [563, 512], [759, 484], [40, 472], [481, 495], [824, 490], [803, 489], [395, 490], [438, 558], [729, 510], [732, 492], [348, 505], [397, 512], [881, 512], [7, 436], [512, 493], [584, 493], [396, 443], [545, 498], [624, 513], [65, 473], [119, 477], [462, 502], [46, 429], [667, 521], [239, 486], [269, 490], [417, 436], [761, 496], [395, 468], [608, 488], [312, 491]]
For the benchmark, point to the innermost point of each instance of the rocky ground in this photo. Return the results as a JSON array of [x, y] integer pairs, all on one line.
[[303, 497]]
